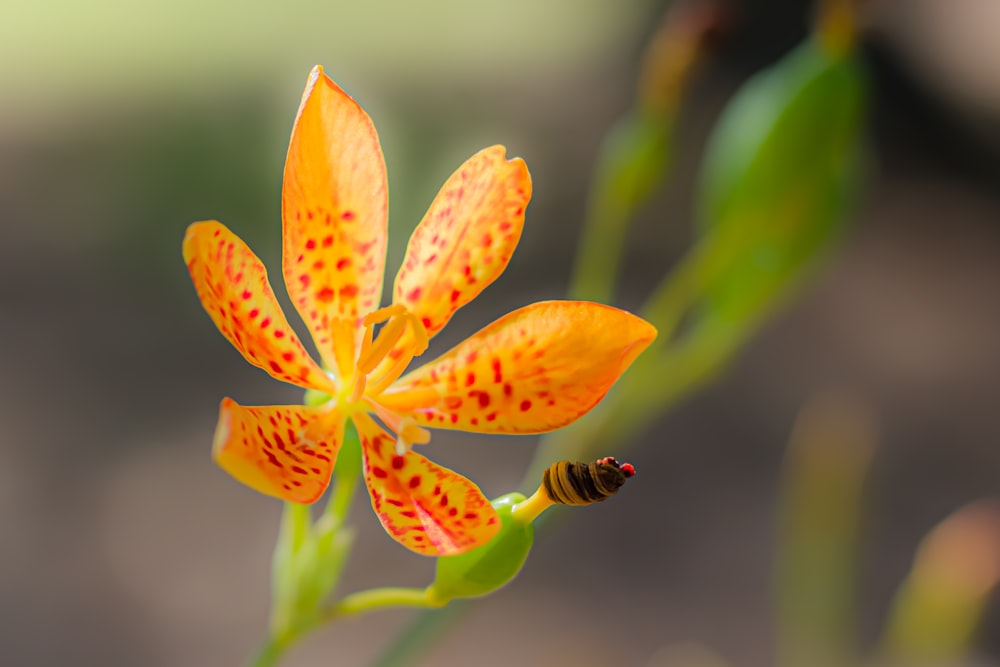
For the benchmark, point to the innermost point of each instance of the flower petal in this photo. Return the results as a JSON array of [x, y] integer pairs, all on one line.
[[533, 370], [425, 507], [334, 212], [286, 451], [466, 238], [232, 284]]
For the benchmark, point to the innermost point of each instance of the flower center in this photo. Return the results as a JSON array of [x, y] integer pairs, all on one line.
[[385, 357]]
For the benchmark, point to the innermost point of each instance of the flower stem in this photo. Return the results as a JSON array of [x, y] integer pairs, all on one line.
[[378, 598]]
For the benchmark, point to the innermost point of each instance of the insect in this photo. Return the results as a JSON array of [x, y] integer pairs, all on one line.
[[578, 483]]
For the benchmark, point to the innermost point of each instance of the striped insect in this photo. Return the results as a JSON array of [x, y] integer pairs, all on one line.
[[578, 483]]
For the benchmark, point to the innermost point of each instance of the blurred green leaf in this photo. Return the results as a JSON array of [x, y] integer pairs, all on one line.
[[781, 173]]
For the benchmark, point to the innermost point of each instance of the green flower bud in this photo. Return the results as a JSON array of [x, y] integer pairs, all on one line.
[[489, 567]]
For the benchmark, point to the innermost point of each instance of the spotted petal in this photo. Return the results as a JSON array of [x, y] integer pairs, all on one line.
[[534, 370], [282, 451], [334, 212], [466, 238], [427, 508], [232, 284]]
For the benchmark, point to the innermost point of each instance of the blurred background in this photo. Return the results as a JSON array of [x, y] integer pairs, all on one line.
[[122, 122]]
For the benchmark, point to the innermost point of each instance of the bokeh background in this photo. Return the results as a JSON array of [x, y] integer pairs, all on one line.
[[121, 122]]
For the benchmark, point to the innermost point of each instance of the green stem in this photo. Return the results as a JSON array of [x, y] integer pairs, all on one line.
[[378, 598], [269, 653], [633, 160]]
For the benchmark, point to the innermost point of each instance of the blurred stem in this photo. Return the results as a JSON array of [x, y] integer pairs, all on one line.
[[270, 653], [837, 25], [937, 610], [422, 632], [292, 534], [819, 522], [633, 160], [636, 155]]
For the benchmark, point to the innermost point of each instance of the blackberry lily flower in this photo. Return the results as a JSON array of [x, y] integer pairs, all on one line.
[[533, 370]]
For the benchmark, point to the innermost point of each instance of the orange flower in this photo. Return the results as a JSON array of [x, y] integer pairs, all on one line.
[[534, 370]]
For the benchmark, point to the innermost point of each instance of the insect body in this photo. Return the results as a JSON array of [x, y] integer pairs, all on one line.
[[585, 483]]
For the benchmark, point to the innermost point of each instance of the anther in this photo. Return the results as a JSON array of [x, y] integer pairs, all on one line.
[[382, 345]]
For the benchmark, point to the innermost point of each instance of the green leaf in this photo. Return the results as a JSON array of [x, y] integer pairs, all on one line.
[[781, 173]]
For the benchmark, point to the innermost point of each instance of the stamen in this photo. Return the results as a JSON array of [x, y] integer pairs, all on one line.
[[413, 434], [360, 380], [382, 314], [382, 381], [420, 334], [403, 332], [383, 344], [410, 434]]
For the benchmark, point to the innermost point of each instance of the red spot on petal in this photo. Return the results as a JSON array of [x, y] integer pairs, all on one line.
[[444, 500], [470, 516], [525, 405], [410, 514], [481, 396], [328, 241], [470, 379], [452, 402], [378, 472], [347, 215], [304, 279], [426, 322], [311, 244], [288, 356], [254, 312], [507, 389], [414, 481], [414, 294], [349, 291], [497, 375], [343, 263], [276, 367], [491, 417], [398, 462], [246, 294], [298, 470], [265, 323], [455, 294], [325, 295], [453, 511]]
